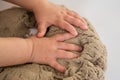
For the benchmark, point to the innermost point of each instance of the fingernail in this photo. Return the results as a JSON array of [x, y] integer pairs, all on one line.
[[39, 35], [85, 27], [80, 49], [63, 70], [75, 33]]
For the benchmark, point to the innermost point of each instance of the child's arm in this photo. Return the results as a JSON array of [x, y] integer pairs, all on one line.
[[47, 14], [37, 50], [14, 51]]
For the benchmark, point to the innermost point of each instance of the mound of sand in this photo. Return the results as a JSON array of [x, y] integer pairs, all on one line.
[[90, 65]]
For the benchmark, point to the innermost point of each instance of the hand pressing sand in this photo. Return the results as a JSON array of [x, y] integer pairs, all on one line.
[[48, 14], [37, 50], [48, 50]]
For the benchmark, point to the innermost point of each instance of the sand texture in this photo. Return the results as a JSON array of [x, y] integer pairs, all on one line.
[[91, 64]]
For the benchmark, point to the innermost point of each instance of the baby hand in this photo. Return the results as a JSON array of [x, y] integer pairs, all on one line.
[[47, 14], [48, 50]]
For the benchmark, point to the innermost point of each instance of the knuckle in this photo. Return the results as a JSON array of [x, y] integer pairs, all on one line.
[[62, 54], [60, 14], [65, 16], [67, 55], [59, 23], [76, 21], [63, 12], [71, 19], [53, 38]]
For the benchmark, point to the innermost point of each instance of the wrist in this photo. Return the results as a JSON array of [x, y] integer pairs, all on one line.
[[39, 4], [29, 49]]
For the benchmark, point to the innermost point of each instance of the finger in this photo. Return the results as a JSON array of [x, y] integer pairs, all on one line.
[[75, 21], [66, 54], [62, 37], [68, 46], [57, 66], [65, 25], [41, 29], [76, 15]]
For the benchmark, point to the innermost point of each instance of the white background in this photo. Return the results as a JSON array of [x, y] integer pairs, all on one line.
[[105, 16]]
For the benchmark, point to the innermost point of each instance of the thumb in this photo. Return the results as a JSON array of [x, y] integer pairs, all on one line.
[[41, 29]]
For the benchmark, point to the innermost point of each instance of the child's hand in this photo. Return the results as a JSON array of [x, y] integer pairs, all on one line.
[[47, 14], [47, 50]]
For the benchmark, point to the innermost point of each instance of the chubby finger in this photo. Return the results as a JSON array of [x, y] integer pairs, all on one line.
[[73, 13], [41, 29], [65, 25], [68, 46], [75, 21], [57, 66], [62, 37], [76, 15], [66, 54]]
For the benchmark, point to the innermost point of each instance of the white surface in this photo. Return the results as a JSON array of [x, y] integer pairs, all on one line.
[[105, 16]]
